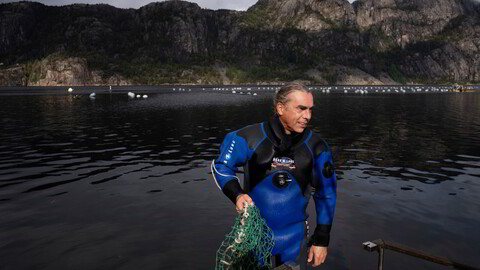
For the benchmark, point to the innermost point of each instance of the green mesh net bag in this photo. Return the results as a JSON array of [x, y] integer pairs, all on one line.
[[249, 245]]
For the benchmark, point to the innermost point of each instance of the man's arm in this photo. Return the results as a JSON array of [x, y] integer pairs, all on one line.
[[325, 201], [234, 152]]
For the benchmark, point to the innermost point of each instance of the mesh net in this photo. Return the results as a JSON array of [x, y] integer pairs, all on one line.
[[249, 245]]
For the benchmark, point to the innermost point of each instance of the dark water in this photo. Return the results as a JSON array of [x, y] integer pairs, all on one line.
[[118, 183]]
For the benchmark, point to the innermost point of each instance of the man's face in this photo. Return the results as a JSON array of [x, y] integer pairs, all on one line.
[[296, 112]]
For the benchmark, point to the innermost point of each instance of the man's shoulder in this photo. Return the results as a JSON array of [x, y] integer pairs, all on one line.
[[317, 143], [251, 131], [252, 134], [250, 127]]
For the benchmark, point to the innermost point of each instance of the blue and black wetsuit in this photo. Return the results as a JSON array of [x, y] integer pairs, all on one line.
[[280, 170]]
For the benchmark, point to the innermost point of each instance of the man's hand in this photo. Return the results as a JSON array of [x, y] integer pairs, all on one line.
[[241, 199], [317, 254]]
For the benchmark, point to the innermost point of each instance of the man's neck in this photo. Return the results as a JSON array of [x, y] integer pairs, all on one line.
[[288, 132]]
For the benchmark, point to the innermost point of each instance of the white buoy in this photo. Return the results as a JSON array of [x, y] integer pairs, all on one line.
[[145, 96], [70, 90], [233, 92], [131, 95], [254, 94], [138, 96], [92, 95]]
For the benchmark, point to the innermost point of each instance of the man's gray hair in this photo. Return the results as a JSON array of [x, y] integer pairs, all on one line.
[[282, 93]]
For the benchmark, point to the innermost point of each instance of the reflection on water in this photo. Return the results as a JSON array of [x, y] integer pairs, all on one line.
[[116, 183]]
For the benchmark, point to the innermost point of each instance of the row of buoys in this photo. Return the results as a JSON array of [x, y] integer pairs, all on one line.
[[130, 94], [386, 89], [243, 93], [182, 89], [133, 95], [236, 90], [91, 95]]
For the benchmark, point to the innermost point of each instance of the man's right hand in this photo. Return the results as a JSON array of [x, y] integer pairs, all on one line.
[[241, 199]]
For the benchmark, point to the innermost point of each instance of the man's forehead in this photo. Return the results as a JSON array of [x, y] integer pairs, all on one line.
[[301, 97]]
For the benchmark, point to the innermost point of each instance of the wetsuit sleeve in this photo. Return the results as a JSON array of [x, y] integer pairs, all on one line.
[[325, 197], [234, 153]]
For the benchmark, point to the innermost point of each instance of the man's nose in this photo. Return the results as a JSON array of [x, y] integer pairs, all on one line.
[[307, 114]]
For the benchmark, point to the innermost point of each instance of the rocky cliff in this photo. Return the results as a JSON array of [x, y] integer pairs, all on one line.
[[321, 41]]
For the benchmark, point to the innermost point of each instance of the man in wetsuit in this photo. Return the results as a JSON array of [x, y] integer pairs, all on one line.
[[282, 161]]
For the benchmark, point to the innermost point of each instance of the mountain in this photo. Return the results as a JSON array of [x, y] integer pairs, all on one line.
[[318, 41]]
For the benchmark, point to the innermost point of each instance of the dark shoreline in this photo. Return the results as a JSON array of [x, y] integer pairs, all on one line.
[[239, 89]]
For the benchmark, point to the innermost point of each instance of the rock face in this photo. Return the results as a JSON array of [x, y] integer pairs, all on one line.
[[69, 71], [57, 70], [14, 76], [406, 21], [307, 15], [322, 41]]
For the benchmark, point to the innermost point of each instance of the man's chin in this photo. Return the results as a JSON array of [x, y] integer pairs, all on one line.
[[300, 129]]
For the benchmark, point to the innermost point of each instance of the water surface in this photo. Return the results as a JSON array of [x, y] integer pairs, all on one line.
[[119, 183]]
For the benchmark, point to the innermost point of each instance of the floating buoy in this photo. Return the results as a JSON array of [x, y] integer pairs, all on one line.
[[131, 95], [145, 96], [92, 95], [70, 90], [138, 96]]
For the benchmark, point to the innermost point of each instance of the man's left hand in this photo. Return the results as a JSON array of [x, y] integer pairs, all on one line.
[[317, 254]]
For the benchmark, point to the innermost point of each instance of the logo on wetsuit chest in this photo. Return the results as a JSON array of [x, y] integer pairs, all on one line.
[[283, 163]]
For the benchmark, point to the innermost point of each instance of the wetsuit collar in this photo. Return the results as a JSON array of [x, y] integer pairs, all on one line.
[[282, 140]]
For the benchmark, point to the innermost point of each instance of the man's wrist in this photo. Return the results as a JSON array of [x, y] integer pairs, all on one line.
[[233, 190], [321, 235]]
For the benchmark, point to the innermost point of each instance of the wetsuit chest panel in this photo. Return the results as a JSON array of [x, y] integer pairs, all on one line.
[[259, 165], [303, 167], [280, 206]]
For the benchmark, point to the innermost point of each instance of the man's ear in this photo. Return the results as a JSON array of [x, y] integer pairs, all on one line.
[[280, 108]]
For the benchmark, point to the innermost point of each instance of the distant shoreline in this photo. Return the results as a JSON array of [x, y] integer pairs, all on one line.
[[235, 89]]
